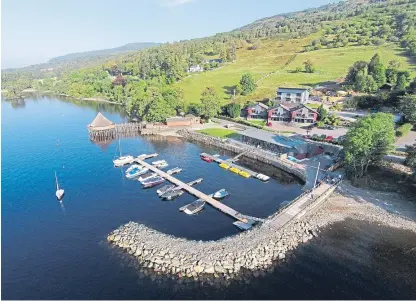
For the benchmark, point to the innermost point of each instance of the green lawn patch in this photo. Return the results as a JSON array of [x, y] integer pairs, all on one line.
[[220, 133], [258, 122], [313, 105]]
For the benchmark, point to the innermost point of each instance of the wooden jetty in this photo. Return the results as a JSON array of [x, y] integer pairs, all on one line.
[[200, 195]]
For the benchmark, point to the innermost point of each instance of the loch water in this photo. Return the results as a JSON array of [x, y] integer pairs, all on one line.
[[53, 250]]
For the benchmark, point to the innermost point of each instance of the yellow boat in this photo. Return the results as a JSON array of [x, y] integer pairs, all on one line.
[[225, 166], [235, 170], [244, 174]]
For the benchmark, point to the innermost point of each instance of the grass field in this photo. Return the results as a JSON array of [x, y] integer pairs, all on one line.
[[258, 122], [273, 65], [220, 133], [313, 105]]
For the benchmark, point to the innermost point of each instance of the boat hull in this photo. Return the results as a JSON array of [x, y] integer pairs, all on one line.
[[123, 161], [153, 183], [60, 194]]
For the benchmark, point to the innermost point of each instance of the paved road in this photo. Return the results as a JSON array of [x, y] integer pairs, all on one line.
[[409, 139], [284, 128]]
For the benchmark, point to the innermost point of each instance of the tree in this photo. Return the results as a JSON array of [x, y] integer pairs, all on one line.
[[159, 109], [233, 110], [377, 70], [401, 82], [367, 141], [247, 84], [210, 104], [309, 66], [411, 156], [407, 105], [322, 112]]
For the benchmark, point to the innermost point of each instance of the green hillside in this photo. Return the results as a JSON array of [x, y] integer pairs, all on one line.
[[273, 65]]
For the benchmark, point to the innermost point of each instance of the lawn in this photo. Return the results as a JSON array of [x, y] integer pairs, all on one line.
[[258, 122], [220, 133], [273, 65], [313, 105]]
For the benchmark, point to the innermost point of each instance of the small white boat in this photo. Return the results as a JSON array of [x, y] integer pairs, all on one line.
[[135, 171], [59, 192], [153, 182], [262, 177], [172, 194], [162, 165], [147, 176], [164, 189], [174, 171], [122, 160], [220, 194], [158, 162], [193, 207]]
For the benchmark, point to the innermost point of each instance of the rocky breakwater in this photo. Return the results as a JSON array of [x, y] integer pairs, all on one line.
[[249, 252]]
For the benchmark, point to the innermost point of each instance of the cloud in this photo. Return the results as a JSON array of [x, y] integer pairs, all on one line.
[[171, 3]]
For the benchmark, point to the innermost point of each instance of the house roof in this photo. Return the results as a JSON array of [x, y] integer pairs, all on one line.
[[100, 122], [259, 104], [292, 107], [291, 90], [190, 115], [178, 118]]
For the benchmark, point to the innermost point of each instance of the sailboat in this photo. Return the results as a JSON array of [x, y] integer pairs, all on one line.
[[122, 160], [59, 192]]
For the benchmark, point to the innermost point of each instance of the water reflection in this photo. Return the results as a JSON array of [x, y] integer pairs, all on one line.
[[18, 103]]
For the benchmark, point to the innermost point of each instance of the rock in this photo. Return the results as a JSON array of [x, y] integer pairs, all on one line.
[[210, 270], [198, 269], [282, 255]]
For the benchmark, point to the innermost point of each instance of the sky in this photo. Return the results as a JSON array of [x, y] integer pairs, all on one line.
[[34, 31]]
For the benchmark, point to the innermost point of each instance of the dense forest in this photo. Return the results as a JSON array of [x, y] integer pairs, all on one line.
[[142, 80]]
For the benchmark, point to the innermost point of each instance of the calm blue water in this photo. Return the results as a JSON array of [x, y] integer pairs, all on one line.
[[53, 251]]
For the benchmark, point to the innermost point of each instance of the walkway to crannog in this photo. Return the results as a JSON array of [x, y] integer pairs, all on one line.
[[216, 204]]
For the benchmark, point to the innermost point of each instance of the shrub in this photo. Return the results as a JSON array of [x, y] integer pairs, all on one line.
[[404, 129]]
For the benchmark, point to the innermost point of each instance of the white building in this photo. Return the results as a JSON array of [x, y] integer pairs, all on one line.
[[195, 68]]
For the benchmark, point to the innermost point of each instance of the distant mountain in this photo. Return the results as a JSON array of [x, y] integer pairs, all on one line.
[[103, 52]]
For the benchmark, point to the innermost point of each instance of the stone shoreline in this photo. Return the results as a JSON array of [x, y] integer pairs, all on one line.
[[252, 252]]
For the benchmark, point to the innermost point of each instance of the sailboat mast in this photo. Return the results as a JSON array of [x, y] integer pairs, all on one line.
[[56, 179]]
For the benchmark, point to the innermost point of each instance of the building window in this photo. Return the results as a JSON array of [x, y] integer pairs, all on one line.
[[279, 93], [298, 94], [298, 99], [288, 99], [279, 98]]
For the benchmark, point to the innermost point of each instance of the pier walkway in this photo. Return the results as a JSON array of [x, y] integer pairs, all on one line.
[[299, 205], [213, 202]]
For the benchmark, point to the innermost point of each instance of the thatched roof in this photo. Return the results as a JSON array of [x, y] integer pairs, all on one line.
[[101, 123]]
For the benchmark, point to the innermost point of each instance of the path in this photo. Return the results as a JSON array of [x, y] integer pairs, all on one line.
[[287, 215]]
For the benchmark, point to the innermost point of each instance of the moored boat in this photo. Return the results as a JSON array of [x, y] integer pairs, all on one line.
[[234, 170], [225, 166], [135, 171], [152, 182], [194, 182], [244, 174], [220, 194], [206, 158], [174, 171], [162, 165], [147, 176], [59, 192], [262, 177], [155, 163], [193, 207], [172, 194], [123, 160], [165, 188]]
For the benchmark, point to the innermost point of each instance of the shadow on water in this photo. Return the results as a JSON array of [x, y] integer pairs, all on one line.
[[350, 260]]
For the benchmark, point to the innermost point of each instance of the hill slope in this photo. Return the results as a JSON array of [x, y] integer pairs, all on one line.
[[273, 65], [102, 52]]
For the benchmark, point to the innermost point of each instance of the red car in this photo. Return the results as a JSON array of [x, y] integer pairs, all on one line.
[[329, 138]]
